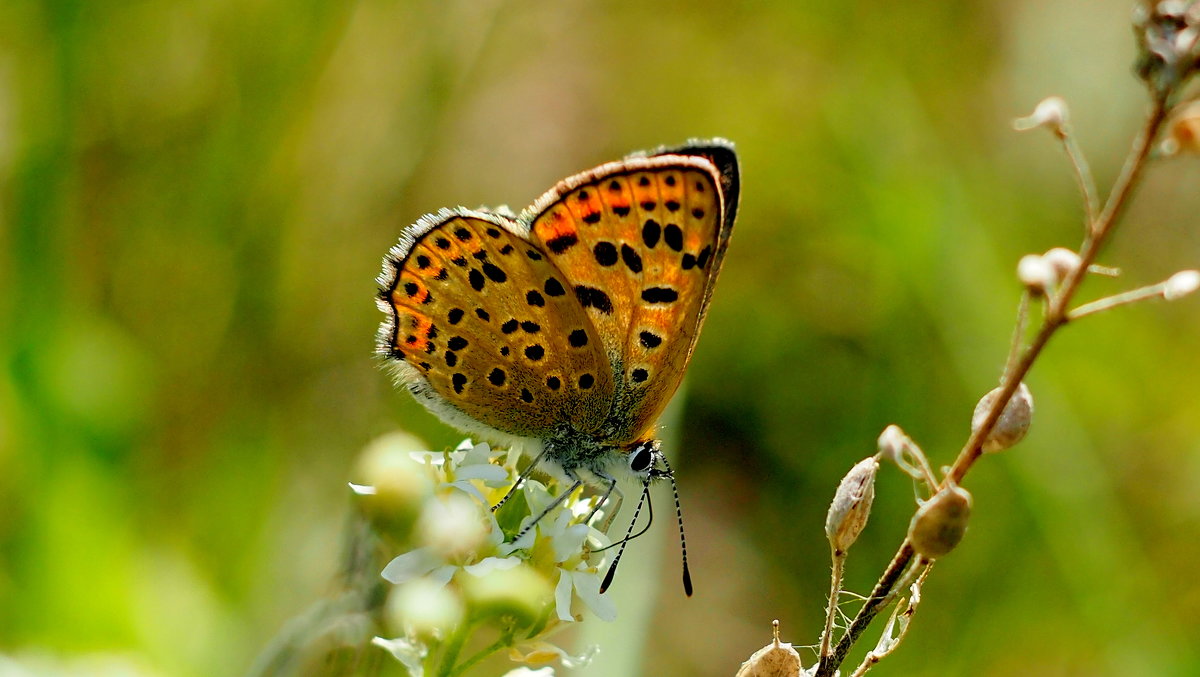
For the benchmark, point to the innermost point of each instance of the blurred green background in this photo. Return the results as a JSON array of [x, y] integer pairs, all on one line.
[[196, 196]]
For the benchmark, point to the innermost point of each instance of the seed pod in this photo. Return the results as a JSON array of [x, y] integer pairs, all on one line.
[[940, 522], [851, 505], [1014, 420], [777, 659]]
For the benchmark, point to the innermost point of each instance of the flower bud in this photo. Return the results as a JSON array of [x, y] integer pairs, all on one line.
[[424, 608], [777, 659], [892, 442], [1036, 273], [453, 525], [1063, 261], [519, 592], [851, 505], [1014, 420], [1051, 113], [940, 522], [397, 485], [1181, 284]]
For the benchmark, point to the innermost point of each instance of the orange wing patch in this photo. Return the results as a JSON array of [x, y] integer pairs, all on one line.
[[487, 320], [636, 239]]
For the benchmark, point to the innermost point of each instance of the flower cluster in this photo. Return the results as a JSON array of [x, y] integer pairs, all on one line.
[[460, 572]]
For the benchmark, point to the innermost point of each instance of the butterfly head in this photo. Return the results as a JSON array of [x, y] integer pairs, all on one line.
[[648, 463], [646, 460]]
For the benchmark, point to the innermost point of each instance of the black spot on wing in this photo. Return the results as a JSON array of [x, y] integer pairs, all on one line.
[[631, 258], [562, 243], [590, 297], [554, 288], [659, 295], [673, 236], [605, 253], [651, 231]]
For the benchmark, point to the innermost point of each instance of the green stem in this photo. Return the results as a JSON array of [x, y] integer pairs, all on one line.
[[505, 640], [454, 647]]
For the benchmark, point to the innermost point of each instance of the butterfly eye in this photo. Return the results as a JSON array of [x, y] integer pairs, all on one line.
[[640, 458]]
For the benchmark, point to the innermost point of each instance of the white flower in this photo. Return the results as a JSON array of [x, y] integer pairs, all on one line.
[[457, 531]]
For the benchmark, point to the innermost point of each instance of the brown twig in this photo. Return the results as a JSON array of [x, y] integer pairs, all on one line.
[[1055, 317]]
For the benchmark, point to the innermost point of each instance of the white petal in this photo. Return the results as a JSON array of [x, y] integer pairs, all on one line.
[[496, 535], [570, 542], [587, 586], [466, 487], [410, 654], [443, 574], [410, 565], [490, 564], [582, 659], [482, 471], [562, 596], [362, 489], [476, 454]]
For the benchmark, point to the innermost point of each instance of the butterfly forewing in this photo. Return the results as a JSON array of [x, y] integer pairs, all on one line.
[[489, 322], [638, 241]]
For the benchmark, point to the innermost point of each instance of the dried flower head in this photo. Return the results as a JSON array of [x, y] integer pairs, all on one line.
[[940, 522], [1168, 40], [1013, 423], [851, 505]]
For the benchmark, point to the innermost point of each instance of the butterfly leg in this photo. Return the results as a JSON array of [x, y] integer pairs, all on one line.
[[617, 497], [520, 479], [562, 496]]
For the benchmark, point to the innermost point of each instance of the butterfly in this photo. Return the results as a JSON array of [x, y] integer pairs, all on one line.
[[566, 329]]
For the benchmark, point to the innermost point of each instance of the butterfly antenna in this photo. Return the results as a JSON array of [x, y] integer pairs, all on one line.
[[646, 498], [687, 576], [612, 569]]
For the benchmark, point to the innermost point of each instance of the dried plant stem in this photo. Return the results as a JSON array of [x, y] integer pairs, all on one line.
[[1056, 316], [889, 642], [1014, 350], [1110, 302], [835, 589], [1083, 176]]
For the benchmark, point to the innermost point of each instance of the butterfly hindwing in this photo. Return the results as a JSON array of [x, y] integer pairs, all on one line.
[[640, 241], [486, 328]]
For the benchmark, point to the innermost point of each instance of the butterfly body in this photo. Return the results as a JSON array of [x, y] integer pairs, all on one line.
[[564, 330]]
